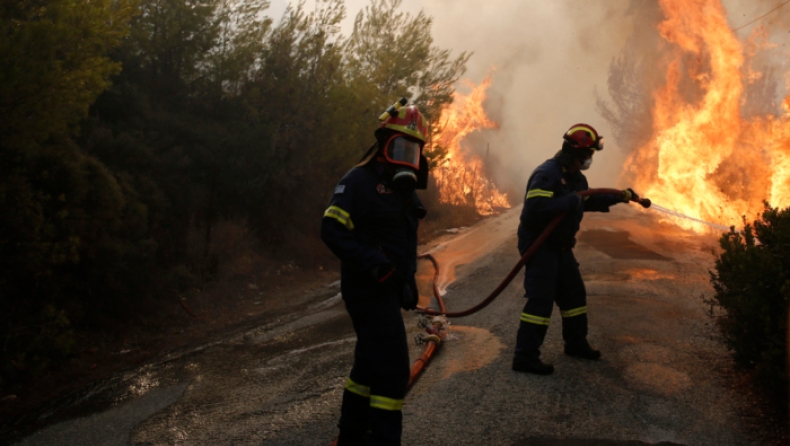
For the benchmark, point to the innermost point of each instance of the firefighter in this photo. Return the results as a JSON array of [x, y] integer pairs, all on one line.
[[552, 275], [371, 225]]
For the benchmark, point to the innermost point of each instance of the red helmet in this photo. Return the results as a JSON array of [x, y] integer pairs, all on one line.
[[583, 136], [406, 120]]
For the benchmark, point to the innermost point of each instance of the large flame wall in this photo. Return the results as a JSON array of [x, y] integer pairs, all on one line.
[[705, 159]]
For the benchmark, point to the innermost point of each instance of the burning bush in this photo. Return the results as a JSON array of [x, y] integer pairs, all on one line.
[[752, 283]]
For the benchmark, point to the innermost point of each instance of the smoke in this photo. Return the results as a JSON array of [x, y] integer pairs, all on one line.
[[550, 66], [547, 60]]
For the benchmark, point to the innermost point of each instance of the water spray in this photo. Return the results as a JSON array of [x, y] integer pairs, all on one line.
[[687, 217]]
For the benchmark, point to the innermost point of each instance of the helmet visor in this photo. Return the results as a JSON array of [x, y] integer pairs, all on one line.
[[403, 151]]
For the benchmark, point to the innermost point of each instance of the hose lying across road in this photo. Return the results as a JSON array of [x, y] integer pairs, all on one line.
[[436, 327]]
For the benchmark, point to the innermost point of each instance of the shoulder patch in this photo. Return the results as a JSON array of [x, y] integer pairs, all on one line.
[[340, 188]]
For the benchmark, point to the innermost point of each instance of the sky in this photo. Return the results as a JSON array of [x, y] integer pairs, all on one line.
[[547, 59]]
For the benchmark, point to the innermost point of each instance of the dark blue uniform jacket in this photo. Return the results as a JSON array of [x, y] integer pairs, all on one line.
[[366, 225], [549, 192]]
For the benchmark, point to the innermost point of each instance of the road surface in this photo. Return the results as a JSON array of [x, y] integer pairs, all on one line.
[[660, 380]]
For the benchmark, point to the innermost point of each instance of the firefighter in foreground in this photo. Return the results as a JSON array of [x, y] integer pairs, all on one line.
[[552, 275], [371, 225]]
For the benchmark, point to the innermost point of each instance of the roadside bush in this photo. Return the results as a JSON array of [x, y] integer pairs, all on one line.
[[752, 283]]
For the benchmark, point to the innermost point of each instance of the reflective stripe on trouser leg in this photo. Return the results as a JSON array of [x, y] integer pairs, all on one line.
[[355, 415], [572, 299], [386, 419], [381, 361], [574, 326], [532, 329]]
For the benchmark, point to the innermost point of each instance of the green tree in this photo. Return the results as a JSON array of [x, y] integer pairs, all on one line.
[[298, 99], [390, 54], [60, 209], [242, 32], [54, 59], [170, 42]]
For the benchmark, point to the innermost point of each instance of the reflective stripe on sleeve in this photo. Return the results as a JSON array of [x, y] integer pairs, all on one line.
[[359, 389], [532, 319], [340, 215], [384, 403], [533, 193], [574, 312]]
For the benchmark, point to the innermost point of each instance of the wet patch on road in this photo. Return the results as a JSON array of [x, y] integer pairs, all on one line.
[[108, 428], [640, 274], [657, 379], [618, 245], [470, 348], [476, 348], [606, 277], [649, 274], [543, 441]]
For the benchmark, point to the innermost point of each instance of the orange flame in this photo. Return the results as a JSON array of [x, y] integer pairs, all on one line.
[[705, 159], [461, 181]]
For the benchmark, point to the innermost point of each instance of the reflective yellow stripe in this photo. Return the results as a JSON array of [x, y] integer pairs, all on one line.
[[581, 127], [384, 403], [539, 193], [340, 215], [586, 197], [532, 319], [359, 389], [574, 312]]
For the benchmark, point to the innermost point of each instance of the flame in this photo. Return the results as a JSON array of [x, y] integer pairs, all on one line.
[[704, 159], [463, 181]]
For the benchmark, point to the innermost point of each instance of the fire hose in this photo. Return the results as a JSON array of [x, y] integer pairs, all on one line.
[[436, 327]]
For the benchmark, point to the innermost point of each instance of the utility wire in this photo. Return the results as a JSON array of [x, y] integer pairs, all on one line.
[[758, 18]]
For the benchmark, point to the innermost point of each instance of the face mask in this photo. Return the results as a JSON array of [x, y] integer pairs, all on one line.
[[404, 180], [586, 165]]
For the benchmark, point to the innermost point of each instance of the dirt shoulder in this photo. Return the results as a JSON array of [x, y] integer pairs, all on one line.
[[197, 318]]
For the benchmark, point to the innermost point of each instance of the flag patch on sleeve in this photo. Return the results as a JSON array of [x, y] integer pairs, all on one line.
[[340, 188]]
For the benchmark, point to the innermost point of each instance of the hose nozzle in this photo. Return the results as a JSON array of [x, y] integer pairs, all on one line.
[[645, 202]]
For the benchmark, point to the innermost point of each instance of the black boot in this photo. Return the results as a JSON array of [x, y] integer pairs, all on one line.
[[534, 365], [583, 351]]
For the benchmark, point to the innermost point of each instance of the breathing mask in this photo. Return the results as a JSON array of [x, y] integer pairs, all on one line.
[[404, 157], [586, 164]]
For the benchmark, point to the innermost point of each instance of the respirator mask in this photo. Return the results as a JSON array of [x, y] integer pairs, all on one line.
[[586, 164], [404, 157]]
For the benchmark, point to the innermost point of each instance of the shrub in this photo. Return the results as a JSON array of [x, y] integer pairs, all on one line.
[[752, 283]]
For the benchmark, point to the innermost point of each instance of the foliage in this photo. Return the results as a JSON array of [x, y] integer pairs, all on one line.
[[752, 283], [135, 130], [391, 54], [60, 208], [53, 55]]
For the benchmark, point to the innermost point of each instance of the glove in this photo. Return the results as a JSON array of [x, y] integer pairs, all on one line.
[[409, 298], [630, 195], [389, 276]]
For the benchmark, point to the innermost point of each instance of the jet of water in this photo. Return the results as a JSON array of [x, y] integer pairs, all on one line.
[[678, 214]]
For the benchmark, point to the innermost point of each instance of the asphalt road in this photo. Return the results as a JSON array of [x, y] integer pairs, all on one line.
[[660, 381]]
